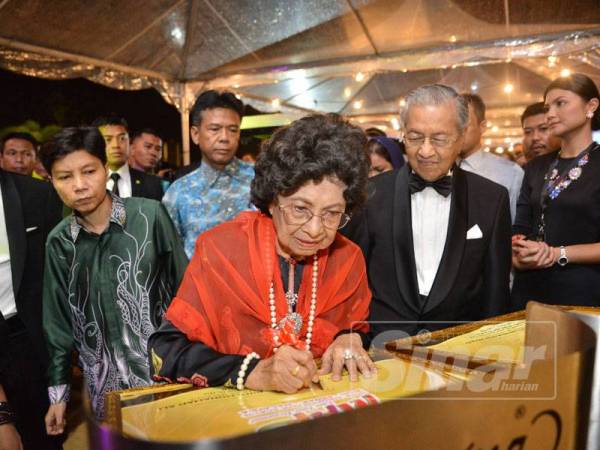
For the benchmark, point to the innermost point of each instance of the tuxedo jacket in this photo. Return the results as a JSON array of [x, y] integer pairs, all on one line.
[[472, 280], [145, 185], [31, 209]]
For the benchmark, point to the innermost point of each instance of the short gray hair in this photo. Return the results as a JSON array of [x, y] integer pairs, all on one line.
[[434, 95]]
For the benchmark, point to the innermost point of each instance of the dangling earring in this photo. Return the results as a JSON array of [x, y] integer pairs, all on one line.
[[589, 114]]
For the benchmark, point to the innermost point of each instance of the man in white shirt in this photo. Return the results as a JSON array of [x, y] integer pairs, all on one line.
[[123, 180], [473, 159], [436, 239]]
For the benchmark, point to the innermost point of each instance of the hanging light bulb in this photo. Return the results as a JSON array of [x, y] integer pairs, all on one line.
[[552, 60], [347, 92], [565, 73], [395, 123], [495, 129], [402, 103], [359, 77], [474, 86], [508, 88], [275, 103], [357, 104], [177, 34]]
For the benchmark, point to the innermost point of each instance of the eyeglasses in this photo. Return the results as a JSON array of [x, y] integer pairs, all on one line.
[[299, 215], [435, 141]]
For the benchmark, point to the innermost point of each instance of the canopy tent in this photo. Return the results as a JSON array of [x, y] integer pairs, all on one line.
[[354, 57]]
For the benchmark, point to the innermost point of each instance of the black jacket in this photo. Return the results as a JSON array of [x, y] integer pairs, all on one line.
[[145, 185], [472, 281], [31, 209]]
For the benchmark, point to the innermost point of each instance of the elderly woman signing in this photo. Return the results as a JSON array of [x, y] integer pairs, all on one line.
[[270, 291]]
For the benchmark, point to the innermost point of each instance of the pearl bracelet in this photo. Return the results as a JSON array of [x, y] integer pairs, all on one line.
[[242, 373]]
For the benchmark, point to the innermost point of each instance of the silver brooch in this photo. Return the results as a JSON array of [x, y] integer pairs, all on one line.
[[575, 173], [295, 319]]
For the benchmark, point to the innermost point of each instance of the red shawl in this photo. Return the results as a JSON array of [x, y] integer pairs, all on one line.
[[223, 300]]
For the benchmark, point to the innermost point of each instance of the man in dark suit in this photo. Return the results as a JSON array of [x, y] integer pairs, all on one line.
[[436, 238], [29, 209], [123, 180], [145, 185]]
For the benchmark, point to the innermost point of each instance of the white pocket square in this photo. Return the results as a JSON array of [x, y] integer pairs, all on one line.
[[30, 229], [474, 232]]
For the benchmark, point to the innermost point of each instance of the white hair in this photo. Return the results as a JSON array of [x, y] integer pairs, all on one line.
[[435, 95]]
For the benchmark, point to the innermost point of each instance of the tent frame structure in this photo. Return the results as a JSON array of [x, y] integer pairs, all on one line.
[[580, 47]]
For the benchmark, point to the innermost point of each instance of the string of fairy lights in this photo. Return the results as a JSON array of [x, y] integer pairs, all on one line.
[[503, 133]]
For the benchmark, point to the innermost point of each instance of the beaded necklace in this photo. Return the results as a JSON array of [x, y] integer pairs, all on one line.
[[293, 321], [555, 183]]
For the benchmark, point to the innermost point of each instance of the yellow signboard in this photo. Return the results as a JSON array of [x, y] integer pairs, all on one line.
[[222, 412]]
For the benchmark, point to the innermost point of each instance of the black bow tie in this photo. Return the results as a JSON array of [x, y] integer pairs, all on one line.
[[443, 186]]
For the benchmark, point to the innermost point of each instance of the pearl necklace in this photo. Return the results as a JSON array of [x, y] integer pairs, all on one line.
[[313, 305]]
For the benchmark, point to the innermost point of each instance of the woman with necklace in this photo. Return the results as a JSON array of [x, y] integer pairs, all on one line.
[[556, 235], [267, 293]]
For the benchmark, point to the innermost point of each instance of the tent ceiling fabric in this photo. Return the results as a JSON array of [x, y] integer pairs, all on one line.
[[305, 54]]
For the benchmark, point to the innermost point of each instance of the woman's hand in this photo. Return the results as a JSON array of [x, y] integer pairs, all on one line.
[[288, 370], [9, 438], [347, 350], [55, 418], [532, 255]]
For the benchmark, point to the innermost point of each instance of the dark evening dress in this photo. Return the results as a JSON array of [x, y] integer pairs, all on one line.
[[571, 218]]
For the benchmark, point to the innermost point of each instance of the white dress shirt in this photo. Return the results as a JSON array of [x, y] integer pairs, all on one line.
[[8, 306], [430, 214], [499, 170], [124, 181]]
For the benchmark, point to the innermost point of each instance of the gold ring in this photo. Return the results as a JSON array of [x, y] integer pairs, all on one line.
[[296, 370]]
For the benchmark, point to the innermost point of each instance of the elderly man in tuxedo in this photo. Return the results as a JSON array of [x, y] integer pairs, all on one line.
[[436, 239]]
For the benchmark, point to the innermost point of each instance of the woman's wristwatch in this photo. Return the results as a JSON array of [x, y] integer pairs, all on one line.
[[7, 415], [562, 260]]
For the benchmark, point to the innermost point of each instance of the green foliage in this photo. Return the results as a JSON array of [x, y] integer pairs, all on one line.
[[42, 134]]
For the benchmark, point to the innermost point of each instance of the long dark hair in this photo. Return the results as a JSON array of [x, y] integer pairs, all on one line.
[[581, 85]]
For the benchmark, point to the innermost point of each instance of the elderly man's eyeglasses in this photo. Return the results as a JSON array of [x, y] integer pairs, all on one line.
[[299, 215], [417, 141]]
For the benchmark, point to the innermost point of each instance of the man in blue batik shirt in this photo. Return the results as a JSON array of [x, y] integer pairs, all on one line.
[[220, 188]]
